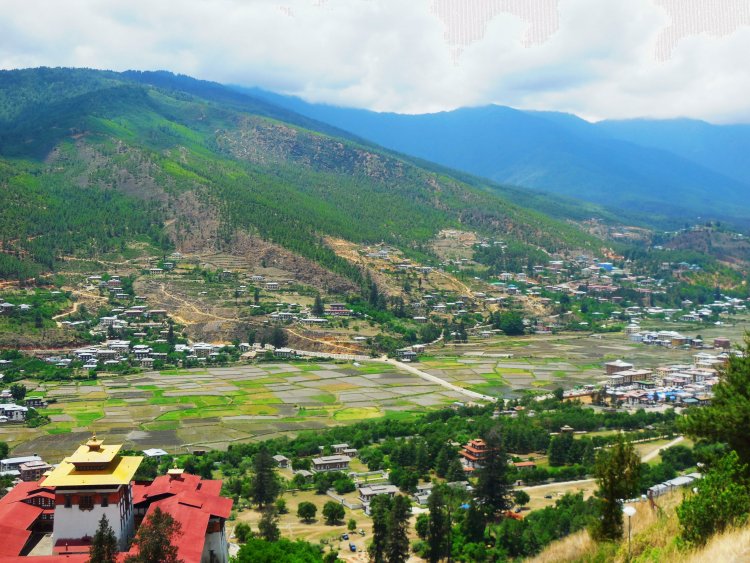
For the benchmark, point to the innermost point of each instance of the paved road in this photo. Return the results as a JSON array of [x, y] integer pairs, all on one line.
[[645, 459], [651, 455], [434, 379]]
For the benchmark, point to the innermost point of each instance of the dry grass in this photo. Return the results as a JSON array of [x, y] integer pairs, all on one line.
[[730, 546], [570, 548], [654, 540]]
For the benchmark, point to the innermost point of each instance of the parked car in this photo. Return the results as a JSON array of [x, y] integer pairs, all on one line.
[[344, 536], [352, 547]]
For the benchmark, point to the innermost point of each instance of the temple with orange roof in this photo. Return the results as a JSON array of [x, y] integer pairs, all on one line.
[[473, 453], [55, 518]]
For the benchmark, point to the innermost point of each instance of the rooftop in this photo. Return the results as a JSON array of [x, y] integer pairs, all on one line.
[[95, 464]]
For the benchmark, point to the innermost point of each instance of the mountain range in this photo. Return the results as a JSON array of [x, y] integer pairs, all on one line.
[[92, 162], [659, 172]]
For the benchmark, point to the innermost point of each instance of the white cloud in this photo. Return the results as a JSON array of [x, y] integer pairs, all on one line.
[[396, 55]]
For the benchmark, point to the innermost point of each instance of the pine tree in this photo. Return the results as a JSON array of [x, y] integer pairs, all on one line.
[[474, 523], [443, 460], [492, 478], [317, 309], [618, 473], [439, 530], [727, 418], [264, 487], [104, 543], [397, 548], [455, 471], [380, 508], [279, 338]]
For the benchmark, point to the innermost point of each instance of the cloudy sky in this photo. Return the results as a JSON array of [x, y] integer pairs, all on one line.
[[596, 58]]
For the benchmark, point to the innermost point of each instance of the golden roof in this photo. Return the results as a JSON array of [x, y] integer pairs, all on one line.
[[97, 454], [118, 472], [95, 464]]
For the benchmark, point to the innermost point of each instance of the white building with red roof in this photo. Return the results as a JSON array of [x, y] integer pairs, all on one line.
[[55, 518]]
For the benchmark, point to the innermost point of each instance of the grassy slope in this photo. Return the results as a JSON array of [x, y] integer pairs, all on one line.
[[654, 539]]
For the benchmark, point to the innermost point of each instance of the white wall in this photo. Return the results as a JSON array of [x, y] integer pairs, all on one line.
[[218, 543], [74, 523]]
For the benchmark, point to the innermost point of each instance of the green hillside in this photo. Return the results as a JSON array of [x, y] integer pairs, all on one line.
[[90, 160]]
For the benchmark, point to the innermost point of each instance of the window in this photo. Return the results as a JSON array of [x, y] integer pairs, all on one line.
[[68, 501], [105, 500], [86, 502]]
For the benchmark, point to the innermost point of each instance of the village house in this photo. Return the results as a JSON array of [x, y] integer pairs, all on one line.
[[284, 353], [35, 402], [338, 310], [282, 461], [156, 453], [13, 413], [366, 494], [33, 470], [617, 365], [407, 355], [423, 492], [628, 377], [13, 464], [331, 463]]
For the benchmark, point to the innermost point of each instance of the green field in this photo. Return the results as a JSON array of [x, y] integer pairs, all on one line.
[[211, 408]]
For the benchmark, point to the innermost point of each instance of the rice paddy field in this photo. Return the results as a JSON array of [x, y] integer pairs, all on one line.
[[507, 367], [210, 408], [183, 410]]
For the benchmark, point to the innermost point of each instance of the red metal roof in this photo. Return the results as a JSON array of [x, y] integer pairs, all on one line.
[[190, 500], [190, 490], [193, 523], [15, 520]]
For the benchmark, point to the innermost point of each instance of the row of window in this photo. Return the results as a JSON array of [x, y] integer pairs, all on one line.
[[86, 502]]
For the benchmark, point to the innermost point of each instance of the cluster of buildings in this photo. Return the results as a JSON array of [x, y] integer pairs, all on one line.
[[55, 516], [10, 308], [10, 411], [688, 385], [24, 468]]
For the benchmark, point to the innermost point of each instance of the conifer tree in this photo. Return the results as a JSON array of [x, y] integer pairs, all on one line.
[[439, 530], [264, 487], [493, 490], [104, 543], [727, 418], [317, 308], [380, 509], [618, 474], [397, 548]]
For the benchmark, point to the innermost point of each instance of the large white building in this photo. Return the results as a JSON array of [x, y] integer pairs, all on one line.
[[97, 481], [93, 482]]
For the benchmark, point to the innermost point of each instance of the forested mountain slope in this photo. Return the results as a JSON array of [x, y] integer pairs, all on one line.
[[90, 160], [668, 171]]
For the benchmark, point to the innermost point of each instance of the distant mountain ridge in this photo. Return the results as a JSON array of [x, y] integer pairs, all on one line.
[[678, 170]]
